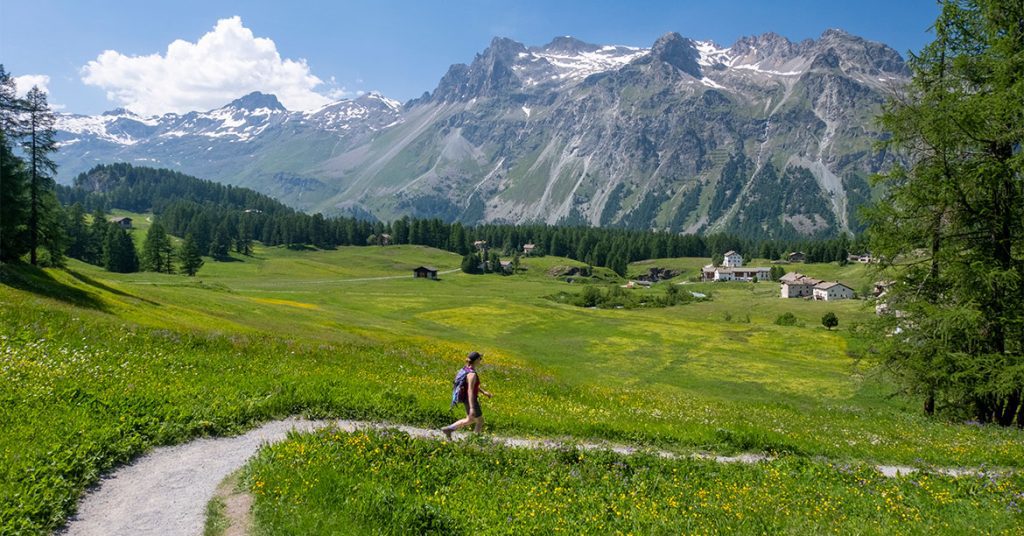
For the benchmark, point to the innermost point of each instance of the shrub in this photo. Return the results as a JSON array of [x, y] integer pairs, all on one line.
[[829, 320], [786, 319]]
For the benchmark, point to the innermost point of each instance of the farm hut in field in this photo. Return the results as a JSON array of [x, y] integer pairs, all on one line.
[[123, 222], [426, 272], [528, 249]]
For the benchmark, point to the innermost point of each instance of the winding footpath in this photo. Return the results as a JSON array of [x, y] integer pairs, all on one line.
[[166, 490]]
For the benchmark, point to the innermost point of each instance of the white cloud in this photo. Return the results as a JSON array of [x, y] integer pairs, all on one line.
[[25, 82], [222, 65]]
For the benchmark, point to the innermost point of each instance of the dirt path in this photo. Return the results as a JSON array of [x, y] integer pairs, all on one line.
[[166, 491]]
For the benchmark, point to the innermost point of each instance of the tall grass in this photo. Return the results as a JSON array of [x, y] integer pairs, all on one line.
[[330, 482]]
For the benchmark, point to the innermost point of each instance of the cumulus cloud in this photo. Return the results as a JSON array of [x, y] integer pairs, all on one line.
[[226, 63], [25, 82]]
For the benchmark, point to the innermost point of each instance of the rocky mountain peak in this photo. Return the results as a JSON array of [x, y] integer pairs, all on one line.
[[489, 75], [375, 99], [858, 55], [678, 52], [119, 112], [837, 33], [765, 46], [502, 49], [568, 45], [257, 100]]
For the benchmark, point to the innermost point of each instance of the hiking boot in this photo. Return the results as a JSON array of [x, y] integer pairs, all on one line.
[[447, 433]]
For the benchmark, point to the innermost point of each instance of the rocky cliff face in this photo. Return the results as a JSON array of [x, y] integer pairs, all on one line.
[[767, 138]]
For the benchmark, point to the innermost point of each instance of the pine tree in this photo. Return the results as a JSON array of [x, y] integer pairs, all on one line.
[[37, 144], [157, 251], [471, 263], [243, 244], [494, 260], [189, 256], [97, 237], [14, 240], [119, 251], [221, 244], [77, 232], [13, 204]]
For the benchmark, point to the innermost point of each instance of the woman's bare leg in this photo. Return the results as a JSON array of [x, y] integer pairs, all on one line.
[[459, 424]]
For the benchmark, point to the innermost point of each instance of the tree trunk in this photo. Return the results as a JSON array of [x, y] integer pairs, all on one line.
[[1010, 410], [1020, 417], [33, 219], [929, 403], [981, 410], [1003, 202]]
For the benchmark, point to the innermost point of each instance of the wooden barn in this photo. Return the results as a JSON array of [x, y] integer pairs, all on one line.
[[426, 272]]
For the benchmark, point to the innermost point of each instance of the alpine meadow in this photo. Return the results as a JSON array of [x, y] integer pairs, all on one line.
[[772, 287]]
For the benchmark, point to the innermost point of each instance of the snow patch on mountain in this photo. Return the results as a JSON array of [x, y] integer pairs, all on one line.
[[99, 126], [542, 65], [711, 54]]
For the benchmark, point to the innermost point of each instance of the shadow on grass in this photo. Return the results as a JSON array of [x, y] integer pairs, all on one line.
[[301, 247], [226, 258], [94, 283], [35, 280]]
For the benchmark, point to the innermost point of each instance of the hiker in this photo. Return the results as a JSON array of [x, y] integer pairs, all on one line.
[[467, 390]]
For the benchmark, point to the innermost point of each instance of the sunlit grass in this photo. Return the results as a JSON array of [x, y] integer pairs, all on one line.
[[396, 485]]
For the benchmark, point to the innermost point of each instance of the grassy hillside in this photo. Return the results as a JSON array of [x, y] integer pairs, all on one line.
[[96, 367]]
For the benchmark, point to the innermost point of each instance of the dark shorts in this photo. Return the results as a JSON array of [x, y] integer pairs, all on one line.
[[479, 410]]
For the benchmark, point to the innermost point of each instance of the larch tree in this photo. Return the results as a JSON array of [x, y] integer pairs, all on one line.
[[119, 251], [189, 256], [951, 221], [38, 142], [157, 251]]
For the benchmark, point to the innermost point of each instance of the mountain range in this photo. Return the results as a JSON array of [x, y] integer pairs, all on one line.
[[766, 138]]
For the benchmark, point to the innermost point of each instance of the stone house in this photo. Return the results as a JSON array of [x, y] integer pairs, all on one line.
[[731, 259], [797, 285], [832, 290]]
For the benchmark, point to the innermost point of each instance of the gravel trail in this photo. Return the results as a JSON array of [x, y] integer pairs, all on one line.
[[166, 490]]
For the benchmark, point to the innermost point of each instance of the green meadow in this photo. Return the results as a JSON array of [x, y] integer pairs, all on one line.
[[97, 367]]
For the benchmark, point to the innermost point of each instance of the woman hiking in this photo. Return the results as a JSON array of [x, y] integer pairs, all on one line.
[[469, 390]]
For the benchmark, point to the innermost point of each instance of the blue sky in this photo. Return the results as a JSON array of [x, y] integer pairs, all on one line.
[[398, 48]]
